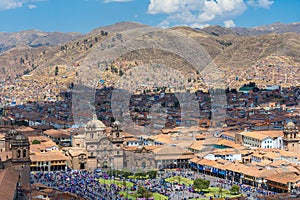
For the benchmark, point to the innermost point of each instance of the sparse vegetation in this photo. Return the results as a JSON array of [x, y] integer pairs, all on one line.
[[56, 71], [224, 43]]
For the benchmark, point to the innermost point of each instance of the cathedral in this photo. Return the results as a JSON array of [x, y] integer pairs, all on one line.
[[106, 148], [104, 145]]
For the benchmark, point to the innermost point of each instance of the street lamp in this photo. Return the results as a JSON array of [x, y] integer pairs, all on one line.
[[111, 174]]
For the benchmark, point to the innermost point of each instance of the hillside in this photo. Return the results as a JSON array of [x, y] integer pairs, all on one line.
[[34, 38], [234, 54], [277, 28]]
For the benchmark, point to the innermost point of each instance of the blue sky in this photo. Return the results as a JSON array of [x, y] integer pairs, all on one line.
[[85, 15]]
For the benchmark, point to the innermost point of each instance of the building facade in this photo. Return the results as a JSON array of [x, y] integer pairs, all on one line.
[[104, 145], [291, 137], [15, 156]]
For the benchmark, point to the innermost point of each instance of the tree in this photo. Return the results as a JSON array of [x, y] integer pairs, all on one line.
[[233, 91], [125, 188], [201, 184], [22, 61], [143, 192], [178, 179], [36, 142], [227, 90], [220, 190], [235, 190], [121, 73], [56, 70], [152, 174]]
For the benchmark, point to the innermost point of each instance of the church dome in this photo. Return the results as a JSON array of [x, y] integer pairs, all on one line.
[[117, 123], [140, 148], [20, 137], [290, 125], [95, 123]]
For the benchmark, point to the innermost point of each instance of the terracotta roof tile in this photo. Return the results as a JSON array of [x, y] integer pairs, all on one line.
[[8, 184]]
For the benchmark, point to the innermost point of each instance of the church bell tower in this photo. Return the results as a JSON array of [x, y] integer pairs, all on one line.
[[21, 157], [291, 138]]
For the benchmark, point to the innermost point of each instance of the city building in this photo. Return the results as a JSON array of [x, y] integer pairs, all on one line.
[[9, 184], [291, 137], [261, 139], [104, 145], [15, 156], [45, 155]]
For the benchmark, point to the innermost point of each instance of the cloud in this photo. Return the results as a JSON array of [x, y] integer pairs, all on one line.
[[10, 4], [31, 6], [201, 12], [13, 4], [260, 3], [109, 1], [229, 23]]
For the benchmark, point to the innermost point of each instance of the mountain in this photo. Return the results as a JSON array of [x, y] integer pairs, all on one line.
[[118, 27], [235, 54], [277, 28], [24, 59], [34, 38], [218, 30]]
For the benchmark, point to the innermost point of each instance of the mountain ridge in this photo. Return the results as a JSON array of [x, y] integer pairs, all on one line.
[[232, 53], [277, 27]]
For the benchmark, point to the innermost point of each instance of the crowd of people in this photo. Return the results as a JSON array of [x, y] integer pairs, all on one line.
[[82, 183], [87, 185], [245, 189]]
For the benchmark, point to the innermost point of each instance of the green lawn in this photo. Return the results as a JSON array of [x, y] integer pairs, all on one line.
[[156, 196], [118, 183], [215, 191], [180, 180]]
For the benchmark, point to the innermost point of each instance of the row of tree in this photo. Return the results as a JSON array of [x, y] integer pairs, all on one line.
[[126, 174], [201, 184]]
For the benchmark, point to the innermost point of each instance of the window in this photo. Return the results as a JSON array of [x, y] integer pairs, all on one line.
[[24, 153], [19, 153], [143, 165]]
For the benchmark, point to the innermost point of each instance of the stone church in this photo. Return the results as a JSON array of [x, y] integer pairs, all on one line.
[[104, 145], [16, 155], [106, 148], [291, 138]]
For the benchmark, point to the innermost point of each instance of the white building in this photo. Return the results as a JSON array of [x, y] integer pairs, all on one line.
[[263, 139], [230, 155]]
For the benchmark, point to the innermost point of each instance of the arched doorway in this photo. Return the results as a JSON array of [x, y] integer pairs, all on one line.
[[105, 166], [143, 165], [82, 166]]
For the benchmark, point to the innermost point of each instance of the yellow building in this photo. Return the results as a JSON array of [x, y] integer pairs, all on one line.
[[45, 155]]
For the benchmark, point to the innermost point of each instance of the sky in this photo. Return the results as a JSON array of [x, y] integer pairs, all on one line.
[[85, 15]]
